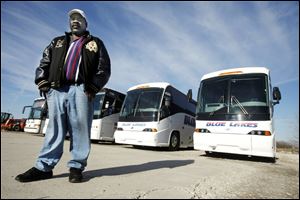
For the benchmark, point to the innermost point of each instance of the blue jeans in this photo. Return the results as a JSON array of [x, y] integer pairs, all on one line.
[[69, 111]]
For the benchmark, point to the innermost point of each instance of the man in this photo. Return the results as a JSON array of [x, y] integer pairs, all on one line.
[[73, 69]]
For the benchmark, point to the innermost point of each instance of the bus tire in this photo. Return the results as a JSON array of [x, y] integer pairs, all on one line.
[[174, 142]]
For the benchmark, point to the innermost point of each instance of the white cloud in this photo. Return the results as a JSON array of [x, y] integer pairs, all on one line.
[[165, 43], [163, 49], [23, 41]]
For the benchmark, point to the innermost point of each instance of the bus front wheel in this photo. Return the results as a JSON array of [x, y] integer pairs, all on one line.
[[174, 142]]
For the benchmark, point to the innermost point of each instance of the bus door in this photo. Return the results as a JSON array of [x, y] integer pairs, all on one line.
[[107, 125]]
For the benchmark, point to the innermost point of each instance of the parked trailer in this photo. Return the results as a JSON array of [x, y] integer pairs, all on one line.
[[158, 115], [235, 109]]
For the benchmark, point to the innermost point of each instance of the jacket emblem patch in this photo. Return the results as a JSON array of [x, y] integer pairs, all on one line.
[[92, 46], [59, 43]]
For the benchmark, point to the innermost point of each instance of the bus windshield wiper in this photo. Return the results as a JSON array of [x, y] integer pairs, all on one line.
[[239, 104]]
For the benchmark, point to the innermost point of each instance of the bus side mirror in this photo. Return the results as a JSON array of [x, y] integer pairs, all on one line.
[[276, 95], [189, 95]]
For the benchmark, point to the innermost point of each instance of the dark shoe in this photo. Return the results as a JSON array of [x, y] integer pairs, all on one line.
[[75, 175], [33, 174]]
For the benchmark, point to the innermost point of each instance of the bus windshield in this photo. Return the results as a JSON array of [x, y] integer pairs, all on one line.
[[142, 105], [238, 97], [37, 109]]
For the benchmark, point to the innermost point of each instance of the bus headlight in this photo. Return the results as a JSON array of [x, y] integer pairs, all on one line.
[[119, 129], [202, 130], [150, 130], [265, 133]]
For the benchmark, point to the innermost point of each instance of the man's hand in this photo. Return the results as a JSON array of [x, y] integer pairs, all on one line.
[[90, 95], [43, 91]]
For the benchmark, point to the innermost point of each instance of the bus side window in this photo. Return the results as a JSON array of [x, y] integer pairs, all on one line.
[[165, 108]]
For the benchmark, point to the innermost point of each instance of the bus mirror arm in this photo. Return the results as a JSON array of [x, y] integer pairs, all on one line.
[[25, 108]]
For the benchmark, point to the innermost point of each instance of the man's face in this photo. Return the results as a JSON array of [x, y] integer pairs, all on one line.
[[77, 24]]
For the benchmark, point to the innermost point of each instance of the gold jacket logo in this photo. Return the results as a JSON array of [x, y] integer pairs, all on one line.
[[92, 46], [59, 43]]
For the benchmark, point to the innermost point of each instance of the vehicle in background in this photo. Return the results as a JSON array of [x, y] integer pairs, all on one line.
[[235, 109], [158, 115], [37, 116], [9, 123], [5, 116], [14, 124], [107, 106]]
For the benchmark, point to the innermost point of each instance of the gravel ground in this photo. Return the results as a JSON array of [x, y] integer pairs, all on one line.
[[121, 171]]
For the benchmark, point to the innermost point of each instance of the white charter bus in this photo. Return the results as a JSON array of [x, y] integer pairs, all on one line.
[[37, 116], [157, 115], [234, 112], [107, 106]]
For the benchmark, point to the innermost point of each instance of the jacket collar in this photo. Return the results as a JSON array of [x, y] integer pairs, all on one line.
[[87, 35], [70, 33]]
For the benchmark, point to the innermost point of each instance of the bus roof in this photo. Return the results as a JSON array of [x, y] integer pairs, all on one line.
[[240, 70], [149, 85]]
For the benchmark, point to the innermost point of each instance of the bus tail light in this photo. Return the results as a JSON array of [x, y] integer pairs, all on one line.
[[202, 130], [266, 133]]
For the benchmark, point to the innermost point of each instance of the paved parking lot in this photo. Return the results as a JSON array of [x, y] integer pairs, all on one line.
[[121, 171]]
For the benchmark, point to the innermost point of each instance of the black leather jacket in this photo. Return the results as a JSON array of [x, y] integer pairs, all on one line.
[[94, 69]]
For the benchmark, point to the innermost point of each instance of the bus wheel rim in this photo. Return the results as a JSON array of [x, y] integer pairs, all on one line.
[[174, 141]]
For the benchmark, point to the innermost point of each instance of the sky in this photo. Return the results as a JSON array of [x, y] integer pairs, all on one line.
[[175, 42]]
